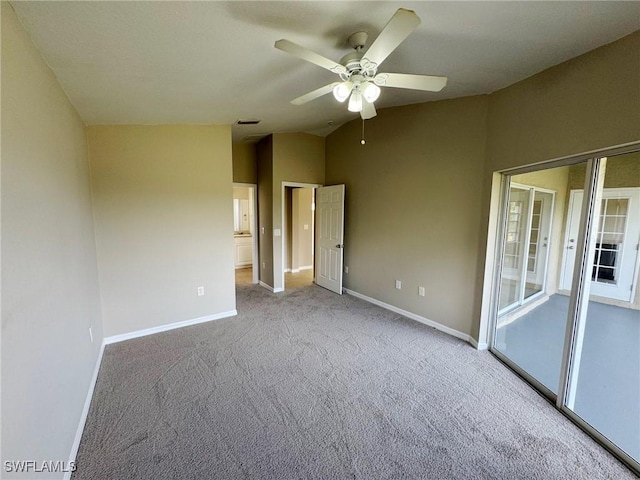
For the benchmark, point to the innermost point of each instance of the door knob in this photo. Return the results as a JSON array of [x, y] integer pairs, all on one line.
[[338, 246], [570, 247]]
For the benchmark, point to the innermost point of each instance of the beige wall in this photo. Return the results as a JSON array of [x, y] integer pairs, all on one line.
[[265, 209], [622, 171], [566, 110], [298, 158], [413, 197], [164, 223], [586, 103], [50, 292], [245, 167], [241, 193], [283, 157]]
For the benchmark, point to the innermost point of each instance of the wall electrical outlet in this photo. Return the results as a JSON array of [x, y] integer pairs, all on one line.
[[398, 284], [91, 334], [200, 291], [421, 291]]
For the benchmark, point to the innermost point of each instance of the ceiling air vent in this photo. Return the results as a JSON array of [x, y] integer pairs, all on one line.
[[248, 121]]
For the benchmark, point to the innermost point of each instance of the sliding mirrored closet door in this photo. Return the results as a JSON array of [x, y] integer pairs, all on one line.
[[567, 314], [532, 313], [603, 388]]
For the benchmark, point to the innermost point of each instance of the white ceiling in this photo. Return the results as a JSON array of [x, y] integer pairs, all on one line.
[[214, 62]]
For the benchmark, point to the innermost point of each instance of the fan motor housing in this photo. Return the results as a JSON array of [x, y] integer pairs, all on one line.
[[351, 61]]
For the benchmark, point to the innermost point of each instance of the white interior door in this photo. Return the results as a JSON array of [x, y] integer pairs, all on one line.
[[330, 237], [616, 243]]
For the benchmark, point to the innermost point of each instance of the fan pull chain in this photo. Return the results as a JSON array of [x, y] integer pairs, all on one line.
[[363, 140]]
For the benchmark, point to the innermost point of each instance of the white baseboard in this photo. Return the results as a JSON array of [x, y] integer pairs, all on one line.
[[270, 288], [412, 316], [85, 410], [170, 326], [297, 270], [476, 345]]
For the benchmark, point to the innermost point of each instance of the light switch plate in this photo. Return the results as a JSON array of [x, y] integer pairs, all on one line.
[[277, 232]]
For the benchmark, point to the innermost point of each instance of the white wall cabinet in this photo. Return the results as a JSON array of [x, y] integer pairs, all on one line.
[[244, 250]]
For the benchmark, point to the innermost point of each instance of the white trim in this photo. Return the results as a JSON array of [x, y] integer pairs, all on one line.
[[85, 410], [253, 194], [514, 314], [170, 326], [478, 346], [413, 316], [268, 287], [297, 270]]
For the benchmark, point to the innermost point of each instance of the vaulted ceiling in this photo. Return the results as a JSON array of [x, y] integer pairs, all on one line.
[[214, 62]]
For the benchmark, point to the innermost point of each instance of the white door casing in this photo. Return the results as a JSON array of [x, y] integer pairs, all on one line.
[[330, 237], [623, 225]]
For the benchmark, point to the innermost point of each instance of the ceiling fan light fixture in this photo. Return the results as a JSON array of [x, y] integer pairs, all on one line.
[[342, 90], [355, 102], [371, 92]]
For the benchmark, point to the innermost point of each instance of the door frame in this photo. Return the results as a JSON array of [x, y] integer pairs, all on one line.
[[283, 192], [255, 261]]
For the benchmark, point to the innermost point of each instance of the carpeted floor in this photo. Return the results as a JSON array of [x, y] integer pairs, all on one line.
[[309, 384]]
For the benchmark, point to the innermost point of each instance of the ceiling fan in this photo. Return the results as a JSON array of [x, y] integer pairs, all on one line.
[[358, 71]]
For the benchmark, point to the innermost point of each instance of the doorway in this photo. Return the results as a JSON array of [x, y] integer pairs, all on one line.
[[298, 235], [244, 233]]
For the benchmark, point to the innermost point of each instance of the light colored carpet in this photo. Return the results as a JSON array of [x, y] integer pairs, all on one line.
[[309, 384]]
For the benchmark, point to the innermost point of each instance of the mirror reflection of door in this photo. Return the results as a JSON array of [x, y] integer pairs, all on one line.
[[616, 252], [526, 251]]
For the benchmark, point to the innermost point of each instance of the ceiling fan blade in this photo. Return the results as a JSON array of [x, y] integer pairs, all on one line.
[[318, 92], [415, 82], [393, 34], [368, 110], [309, 56]]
